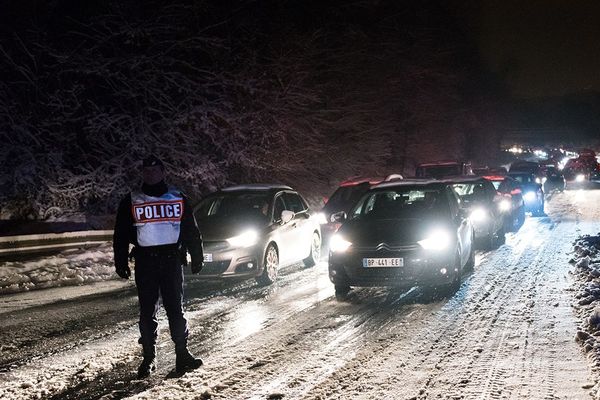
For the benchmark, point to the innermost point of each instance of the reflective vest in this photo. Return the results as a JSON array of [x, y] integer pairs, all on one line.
[[157, 219]]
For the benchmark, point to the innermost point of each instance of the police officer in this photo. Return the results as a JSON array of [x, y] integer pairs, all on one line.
[[158, 221]]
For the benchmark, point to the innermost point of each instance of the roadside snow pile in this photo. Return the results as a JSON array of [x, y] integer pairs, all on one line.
[[586, 258], [73, 267]]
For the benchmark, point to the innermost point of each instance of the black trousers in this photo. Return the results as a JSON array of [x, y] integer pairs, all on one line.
[[160, 274]]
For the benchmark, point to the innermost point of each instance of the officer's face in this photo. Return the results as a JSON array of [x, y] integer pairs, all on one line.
[[153, 175]]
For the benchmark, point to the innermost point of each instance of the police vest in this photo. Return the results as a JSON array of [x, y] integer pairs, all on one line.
[[157, 219]]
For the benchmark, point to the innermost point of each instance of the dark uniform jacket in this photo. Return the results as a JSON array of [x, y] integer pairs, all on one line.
[[125, 232]]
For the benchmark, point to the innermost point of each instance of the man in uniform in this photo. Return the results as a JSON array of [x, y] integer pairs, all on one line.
[[158, 221]]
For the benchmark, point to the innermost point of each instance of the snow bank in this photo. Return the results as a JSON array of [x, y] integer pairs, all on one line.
[[71, 267], [586, 257]]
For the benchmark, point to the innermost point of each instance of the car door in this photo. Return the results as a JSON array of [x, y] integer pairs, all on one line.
[[300, 226], [283, 233], [463, 225]]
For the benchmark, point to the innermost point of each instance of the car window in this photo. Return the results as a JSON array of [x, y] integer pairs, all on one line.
[[347, 195], [234, 204], [293, 202], [453, 199], [402, 203], [469, 192], [278, 208], [524, 178]]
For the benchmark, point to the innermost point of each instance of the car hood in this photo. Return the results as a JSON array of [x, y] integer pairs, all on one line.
[[222, 228], [405, 231]]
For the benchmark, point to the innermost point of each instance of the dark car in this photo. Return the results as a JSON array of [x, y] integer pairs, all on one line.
[[580, 172], [530, 167], [513, 206], [443, 169], [345, 197], [554, 180], [485, 208], [401, 234], [252, 230], [488, 171], [533, 194]]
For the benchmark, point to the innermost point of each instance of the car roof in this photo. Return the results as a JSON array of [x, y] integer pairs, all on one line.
[[408, 182], [256, 187], [442, 162], [496, 177], [374, 180], [462, 179]]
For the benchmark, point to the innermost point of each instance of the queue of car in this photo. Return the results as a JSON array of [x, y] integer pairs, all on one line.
[[381, 231]]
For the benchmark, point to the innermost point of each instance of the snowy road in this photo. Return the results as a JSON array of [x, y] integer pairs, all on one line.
[[508, 333]]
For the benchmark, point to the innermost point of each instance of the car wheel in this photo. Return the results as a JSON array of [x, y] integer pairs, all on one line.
[[271, 267], [500, 236], [487, 242], [521, 217], [470, 265], [341, 291], [315, 251], [540, 211], [453, 286]]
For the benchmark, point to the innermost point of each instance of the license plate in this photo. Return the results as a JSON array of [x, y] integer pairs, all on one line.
[[383, 262], [208, 257]]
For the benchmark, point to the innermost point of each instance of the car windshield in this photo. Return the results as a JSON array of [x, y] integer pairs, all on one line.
[[469, 192], [438, 171], [523, 178], [234, 204], [347, 196], [496, 184], [402, 203]]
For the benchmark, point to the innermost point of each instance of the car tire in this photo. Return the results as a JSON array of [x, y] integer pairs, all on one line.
[[540, 211], [270, 266], [470, 265], [453, 286], [487, 242], [315, 251], [499, 237], [341, 291], [520, 217]]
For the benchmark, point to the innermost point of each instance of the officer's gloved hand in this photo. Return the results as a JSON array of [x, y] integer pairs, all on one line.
[[197, 265], [123, 271]]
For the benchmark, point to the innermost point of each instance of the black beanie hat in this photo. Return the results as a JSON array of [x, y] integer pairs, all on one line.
[[152, 161]]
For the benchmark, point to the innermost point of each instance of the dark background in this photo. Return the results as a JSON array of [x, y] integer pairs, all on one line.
[[301, 92]]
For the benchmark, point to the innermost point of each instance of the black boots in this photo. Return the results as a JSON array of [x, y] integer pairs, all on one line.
[[184, 360], [148, 364]]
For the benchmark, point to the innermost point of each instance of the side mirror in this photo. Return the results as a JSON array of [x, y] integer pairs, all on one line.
[[339, 216], [286, 216]]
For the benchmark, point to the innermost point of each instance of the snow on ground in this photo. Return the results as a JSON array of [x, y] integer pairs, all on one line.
[[507, 333], [586, 258], [70, 267]]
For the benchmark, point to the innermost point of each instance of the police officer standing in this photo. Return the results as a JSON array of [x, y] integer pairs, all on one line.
[[158, 221]]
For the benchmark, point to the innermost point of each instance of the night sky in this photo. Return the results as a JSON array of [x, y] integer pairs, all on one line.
[[541, 48]]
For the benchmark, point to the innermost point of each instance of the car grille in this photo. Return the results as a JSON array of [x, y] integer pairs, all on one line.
[[216, 267], [213, 247], [384, 247]]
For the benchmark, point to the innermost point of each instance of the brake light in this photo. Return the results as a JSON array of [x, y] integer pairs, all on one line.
[[515, 191]]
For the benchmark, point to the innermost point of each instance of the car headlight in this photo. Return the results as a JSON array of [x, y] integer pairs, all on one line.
[[504, 205], [478, 215], [436, 240], [322, 218], [338, 244], [246, 239], [530, 196], [580, 178]]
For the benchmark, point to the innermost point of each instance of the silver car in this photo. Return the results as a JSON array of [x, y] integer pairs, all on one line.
[[253, 230]]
